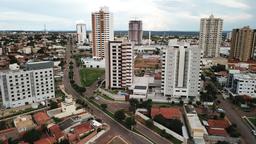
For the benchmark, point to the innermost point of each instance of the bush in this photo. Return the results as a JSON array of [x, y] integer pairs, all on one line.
[[232, 130]]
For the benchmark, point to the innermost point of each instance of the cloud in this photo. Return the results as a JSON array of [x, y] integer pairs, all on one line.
[[155, 14], [231, 3]]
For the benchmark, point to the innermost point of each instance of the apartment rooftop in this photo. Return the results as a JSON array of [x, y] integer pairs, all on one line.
[[38, 65], [243, 76], [24, 123]]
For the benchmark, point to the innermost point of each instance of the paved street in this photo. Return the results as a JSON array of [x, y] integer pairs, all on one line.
[[154, 137], [151, 134], [115, 127], [236, 119]]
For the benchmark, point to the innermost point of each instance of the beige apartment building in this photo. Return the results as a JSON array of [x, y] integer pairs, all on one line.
[[210, 36], [119, 64], [243, 44]]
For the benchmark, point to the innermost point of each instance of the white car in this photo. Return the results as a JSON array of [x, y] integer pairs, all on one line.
[[220, 110], [254, 132]]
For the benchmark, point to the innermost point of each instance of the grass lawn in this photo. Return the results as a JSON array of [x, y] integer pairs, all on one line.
[[89, 75], [253, 120]]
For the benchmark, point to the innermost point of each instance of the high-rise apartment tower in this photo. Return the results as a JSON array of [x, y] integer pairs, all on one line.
[[210, 36], [181, 71], [135, 31], [81, 33], [243, 44], [102, 31], [119, 64]]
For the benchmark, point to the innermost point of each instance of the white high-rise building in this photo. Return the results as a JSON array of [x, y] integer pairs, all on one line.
[[181, 71], [102, 31], [210, 36], [119, 64], [32, 85], [81, 33], [229, 35]]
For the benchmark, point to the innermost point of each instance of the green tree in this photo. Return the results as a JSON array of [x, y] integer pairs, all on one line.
[[173, 124], [103, 106], [232, 130], [41, 51], [65, 141], [2, 125], [222, 142], [71, 67], [53, 104], [149, 123], [130, 121], [13, 59], [134, 103], [222, 115], [32, 136], [181, 102], [119, 115]]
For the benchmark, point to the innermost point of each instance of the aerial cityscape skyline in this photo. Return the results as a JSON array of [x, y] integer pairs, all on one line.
[[127, 72], [179, 15]]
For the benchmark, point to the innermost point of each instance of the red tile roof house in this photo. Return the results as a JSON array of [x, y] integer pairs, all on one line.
[[41, 118], [47, 140], [218, 127], [56, 132], [168, 113], [79, 131]]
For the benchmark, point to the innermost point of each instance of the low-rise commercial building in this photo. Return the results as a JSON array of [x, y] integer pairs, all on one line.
[[195, 127], [242, 84], [24, 123], [95, 62]]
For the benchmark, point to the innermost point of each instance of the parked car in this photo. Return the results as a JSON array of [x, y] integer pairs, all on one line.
[[220, 110], [254, 132]]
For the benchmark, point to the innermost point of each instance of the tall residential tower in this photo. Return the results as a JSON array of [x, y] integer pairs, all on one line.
[[102, 31], [243, 44], [181, 71], [119, 64], [81, 33], [135, 31], [210, 36]]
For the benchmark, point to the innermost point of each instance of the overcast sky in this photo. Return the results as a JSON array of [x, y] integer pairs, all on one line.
[[180, 15]]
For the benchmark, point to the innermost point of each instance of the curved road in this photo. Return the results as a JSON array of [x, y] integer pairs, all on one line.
[[115, 127]]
